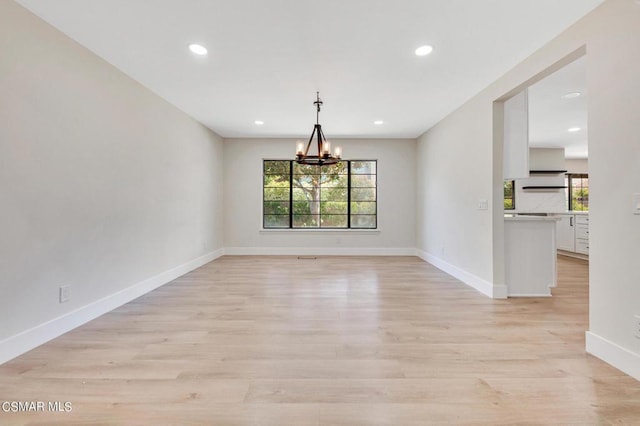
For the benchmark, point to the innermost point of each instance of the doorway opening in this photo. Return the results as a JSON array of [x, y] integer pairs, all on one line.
[[545, 171]]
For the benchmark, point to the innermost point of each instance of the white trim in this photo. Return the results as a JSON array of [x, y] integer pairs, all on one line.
[[319, 251], [623, 359], [483, 286], [321, 230], [20, 343], [528, 295]]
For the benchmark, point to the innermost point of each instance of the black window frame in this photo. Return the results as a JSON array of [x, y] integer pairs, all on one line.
[[349, 199], [570, 186], [513, 195]]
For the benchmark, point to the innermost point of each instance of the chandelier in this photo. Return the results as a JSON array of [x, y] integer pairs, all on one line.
[[324, 157]]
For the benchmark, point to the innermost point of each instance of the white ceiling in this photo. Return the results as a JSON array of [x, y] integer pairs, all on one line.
[[550, 116], [267, 58]]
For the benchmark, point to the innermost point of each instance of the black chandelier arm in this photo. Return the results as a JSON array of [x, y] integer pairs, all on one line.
[[318, 128], [306, 151], [322, 133]]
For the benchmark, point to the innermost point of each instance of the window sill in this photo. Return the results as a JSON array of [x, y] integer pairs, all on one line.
[[326, 230]]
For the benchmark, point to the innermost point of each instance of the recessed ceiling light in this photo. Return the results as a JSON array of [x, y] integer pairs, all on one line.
[[424, 50], [259, 122], [571, 95], [198, 49], [378, 122], [574, 129]]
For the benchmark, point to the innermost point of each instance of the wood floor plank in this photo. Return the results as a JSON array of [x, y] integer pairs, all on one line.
[[375, 341]]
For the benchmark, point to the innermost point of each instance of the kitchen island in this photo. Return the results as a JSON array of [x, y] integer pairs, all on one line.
[[530, 255]]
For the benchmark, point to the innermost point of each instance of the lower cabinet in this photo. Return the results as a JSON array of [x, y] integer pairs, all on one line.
[[582, 234], [572, 231], [565, 232]]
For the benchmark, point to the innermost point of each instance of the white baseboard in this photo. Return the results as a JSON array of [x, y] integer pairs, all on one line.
[[528, 295], [623, 359], [319, 251], [483, 286], [36, 336]]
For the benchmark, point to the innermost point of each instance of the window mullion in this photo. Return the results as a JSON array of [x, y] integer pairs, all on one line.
[[291, 194], [348, 194]]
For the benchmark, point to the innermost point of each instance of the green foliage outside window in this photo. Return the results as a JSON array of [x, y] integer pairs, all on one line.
[[302, 196], [579, 191], [509, 195]]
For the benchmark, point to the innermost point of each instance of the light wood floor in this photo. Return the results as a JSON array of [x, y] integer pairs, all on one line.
[[275, 341]]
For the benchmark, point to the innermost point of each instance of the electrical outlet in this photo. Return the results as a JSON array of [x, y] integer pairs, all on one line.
[[636, 326], [65, 293]]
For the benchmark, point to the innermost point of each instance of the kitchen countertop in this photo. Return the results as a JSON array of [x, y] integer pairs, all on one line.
[[548, 213], [572, 212], [528, 218]]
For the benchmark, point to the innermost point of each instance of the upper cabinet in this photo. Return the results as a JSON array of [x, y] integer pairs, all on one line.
[[516, 137]]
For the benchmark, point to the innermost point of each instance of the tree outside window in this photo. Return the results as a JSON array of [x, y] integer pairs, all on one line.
[[578, 191], [342, 195], [509, 195]]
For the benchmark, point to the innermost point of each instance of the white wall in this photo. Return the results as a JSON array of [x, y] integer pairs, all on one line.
[[103, 184], [546, 159], [613, 68], [577, 165], [459, 156], [454, 175], [243, 200]]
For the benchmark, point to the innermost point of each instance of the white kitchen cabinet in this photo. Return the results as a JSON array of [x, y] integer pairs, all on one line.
[[572, 233], [582, 246], [565, 232], [582, 219], [530, 255], [582, 234]]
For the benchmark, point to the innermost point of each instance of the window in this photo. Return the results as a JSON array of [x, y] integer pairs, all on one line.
[[339, 196], [578, 191], [509, 195]]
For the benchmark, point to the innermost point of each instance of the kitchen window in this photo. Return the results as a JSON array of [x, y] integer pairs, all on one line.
[[509, 194], [339, 196], [578, 191]]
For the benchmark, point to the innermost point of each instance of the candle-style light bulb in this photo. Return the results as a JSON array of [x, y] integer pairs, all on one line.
[[300, 148], [327, 147], [338, 152]]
